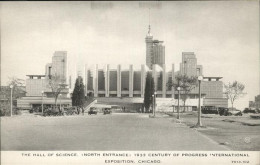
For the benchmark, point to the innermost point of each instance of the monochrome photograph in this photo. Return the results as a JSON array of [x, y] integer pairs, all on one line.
[[130, 76]]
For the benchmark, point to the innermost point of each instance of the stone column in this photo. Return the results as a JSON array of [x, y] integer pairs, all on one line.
[[131, 81], [173, 80], [119, 81], [107, 81], [164, 82], [96, 81], [143, 78]]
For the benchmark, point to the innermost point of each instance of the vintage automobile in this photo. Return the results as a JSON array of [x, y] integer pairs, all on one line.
[[229, 112], [71, 111], [52, 112], [209, 110], [92, 111], [223, 111], [250, 110], [107, 111], [234, 112]]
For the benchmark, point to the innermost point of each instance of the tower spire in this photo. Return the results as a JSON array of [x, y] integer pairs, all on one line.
[[149, 28]]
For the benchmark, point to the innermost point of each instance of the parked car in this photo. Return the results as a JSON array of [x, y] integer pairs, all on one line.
[[223, 111], [251, 110], [209, 110], [107, 111], [52, 112], [31, 110], [35, 110], [234, 112], [71, 111], [229, 112], [92, 111]]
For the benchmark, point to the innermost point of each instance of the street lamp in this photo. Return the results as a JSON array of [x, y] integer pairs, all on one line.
[[154, 103], [178, 110], [42, 101], [60, 101], [199, 124], [11, 86]]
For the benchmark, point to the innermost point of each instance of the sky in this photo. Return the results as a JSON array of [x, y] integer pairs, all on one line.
[[224, 35]]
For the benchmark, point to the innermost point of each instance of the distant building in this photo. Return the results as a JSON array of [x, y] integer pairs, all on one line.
[[257, 101], [251, 104], [189, 66], [155, 51]]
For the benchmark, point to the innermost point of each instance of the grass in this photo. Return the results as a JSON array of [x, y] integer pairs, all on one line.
[[232, 131]]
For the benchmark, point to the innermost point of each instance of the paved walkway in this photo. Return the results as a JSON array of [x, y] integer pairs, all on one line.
[[101, 132]]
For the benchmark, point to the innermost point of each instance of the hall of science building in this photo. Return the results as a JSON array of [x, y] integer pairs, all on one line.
[[125, 85]]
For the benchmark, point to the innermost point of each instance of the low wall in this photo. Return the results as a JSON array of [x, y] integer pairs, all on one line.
[[218, 102], [28, 102]]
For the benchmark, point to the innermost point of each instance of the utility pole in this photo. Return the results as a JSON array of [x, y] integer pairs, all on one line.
[[11, 87], [199, 124], [178, 110]]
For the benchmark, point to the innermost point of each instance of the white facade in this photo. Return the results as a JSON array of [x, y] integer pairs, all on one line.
[[129, 82], [36, 84]]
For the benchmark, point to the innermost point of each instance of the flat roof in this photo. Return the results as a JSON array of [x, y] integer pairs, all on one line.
[[213, 77], [35, 75]]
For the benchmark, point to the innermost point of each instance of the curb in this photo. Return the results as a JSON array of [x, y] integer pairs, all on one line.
[[244, 123]]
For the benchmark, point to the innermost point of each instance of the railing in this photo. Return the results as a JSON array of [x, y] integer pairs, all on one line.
[[89, 103]]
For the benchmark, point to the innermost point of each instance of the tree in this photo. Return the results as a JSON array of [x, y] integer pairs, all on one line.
[[18, 88], [18, 91], [233, 91], [78, 95], [149, 91], [57, 84], [187, 84]]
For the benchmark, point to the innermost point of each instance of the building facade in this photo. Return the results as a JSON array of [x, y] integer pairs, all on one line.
[[118, 82], [125, 84], [38, 89], [211, 87]]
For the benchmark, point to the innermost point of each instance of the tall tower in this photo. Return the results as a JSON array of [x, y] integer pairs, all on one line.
[[59, 64], [158, 53], [149, 48], [155, 51]]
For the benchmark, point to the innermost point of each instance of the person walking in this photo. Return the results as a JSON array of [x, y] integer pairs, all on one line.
[[83, 110]]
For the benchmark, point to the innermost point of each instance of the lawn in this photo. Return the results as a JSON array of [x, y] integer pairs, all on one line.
[[236, 132]]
